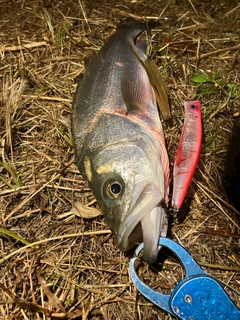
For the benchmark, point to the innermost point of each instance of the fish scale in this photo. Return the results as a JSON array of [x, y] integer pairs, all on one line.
[[118, 140]]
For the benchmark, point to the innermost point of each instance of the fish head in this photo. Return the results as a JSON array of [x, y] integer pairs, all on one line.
[[129, 185]]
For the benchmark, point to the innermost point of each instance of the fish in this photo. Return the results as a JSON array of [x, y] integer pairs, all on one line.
[[188, 152], [119, 143]]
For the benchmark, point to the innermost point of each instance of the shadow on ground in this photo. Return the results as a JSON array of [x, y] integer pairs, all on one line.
[[231, 179]]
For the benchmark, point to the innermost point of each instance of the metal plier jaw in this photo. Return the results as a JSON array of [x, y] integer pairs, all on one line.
[[197, 297]]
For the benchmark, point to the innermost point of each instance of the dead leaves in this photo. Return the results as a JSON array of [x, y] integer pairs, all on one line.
[[81, 210]]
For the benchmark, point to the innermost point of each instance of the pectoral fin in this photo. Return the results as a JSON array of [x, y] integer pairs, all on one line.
[[134, 93], [157, 81]]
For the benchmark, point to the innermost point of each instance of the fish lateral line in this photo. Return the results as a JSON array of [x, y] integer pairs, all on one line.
[[132, 118], [130, 115]]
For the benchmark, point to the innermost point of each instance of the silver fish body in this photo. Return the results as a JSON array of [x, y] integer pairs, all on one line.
[[119, 142]]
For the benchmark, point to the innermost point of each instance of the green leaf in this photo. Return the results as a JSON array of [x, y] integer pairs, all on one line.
[[208, 88], [77, 262], [209, 140], [234, 90], [201, 78], [217, 75], [15, 236]]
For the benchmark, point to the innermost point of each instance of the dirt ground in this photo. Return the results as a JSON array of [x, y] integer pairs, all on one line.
[[57, 263]]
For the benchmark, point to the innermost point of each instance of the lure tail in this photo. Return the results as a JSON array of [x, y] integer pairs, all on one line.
[[188, 152]]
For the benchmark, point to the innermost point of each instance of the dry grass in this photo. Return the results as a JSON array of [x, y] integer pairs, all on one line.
[[55, 264]]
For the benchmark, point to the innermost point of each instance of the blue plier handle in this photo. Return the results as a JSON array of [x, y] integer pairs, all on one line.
[[197, 297]]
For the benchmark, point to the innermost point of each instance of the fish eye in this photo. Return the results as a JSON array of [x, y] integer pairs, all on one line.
[[113, 189]]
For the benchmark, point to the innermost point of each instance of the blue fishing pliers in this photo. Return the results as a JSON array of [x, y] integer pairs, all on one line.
[[197, 297]]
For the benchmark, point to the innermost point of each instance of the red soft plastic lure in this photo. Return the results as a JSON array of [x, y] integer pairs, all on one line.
[[188, 152]]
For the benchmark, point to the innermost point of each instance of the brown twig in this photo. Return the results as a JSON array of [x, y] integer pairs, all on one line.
[[206, 55], [221, 233], [27, 305], [24, 46], [217, 266]]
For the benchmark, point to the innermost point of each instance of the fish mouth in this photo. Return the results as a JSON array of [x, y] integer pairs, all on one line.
[[146, 221]]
